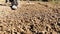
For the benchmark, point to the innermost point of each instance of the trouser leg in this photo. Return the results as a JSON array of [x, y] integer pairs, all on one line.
[[6, 1], [14, 2]]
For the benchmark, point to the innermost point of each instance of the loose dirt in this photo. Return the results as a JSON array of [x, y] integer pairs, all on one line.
[[37, 18]]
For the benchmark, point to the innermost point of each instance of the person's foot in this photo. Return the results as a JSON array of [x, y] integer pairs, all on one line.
[[14, 7]]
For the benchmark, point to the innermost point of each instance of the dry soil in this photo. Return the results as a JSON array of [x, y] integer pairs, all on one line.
[[36, 18]]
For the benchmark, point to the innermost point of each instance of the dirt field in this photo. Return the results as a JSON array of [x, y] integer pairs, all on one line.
[[36, 18]]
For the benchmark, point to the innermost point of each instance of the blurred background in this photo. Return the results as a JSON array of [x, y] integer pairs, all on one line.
[[51, 1]]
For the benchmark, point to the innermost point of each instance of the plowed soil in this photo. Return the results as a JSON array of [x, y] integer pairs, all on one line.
[[36, 18]]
